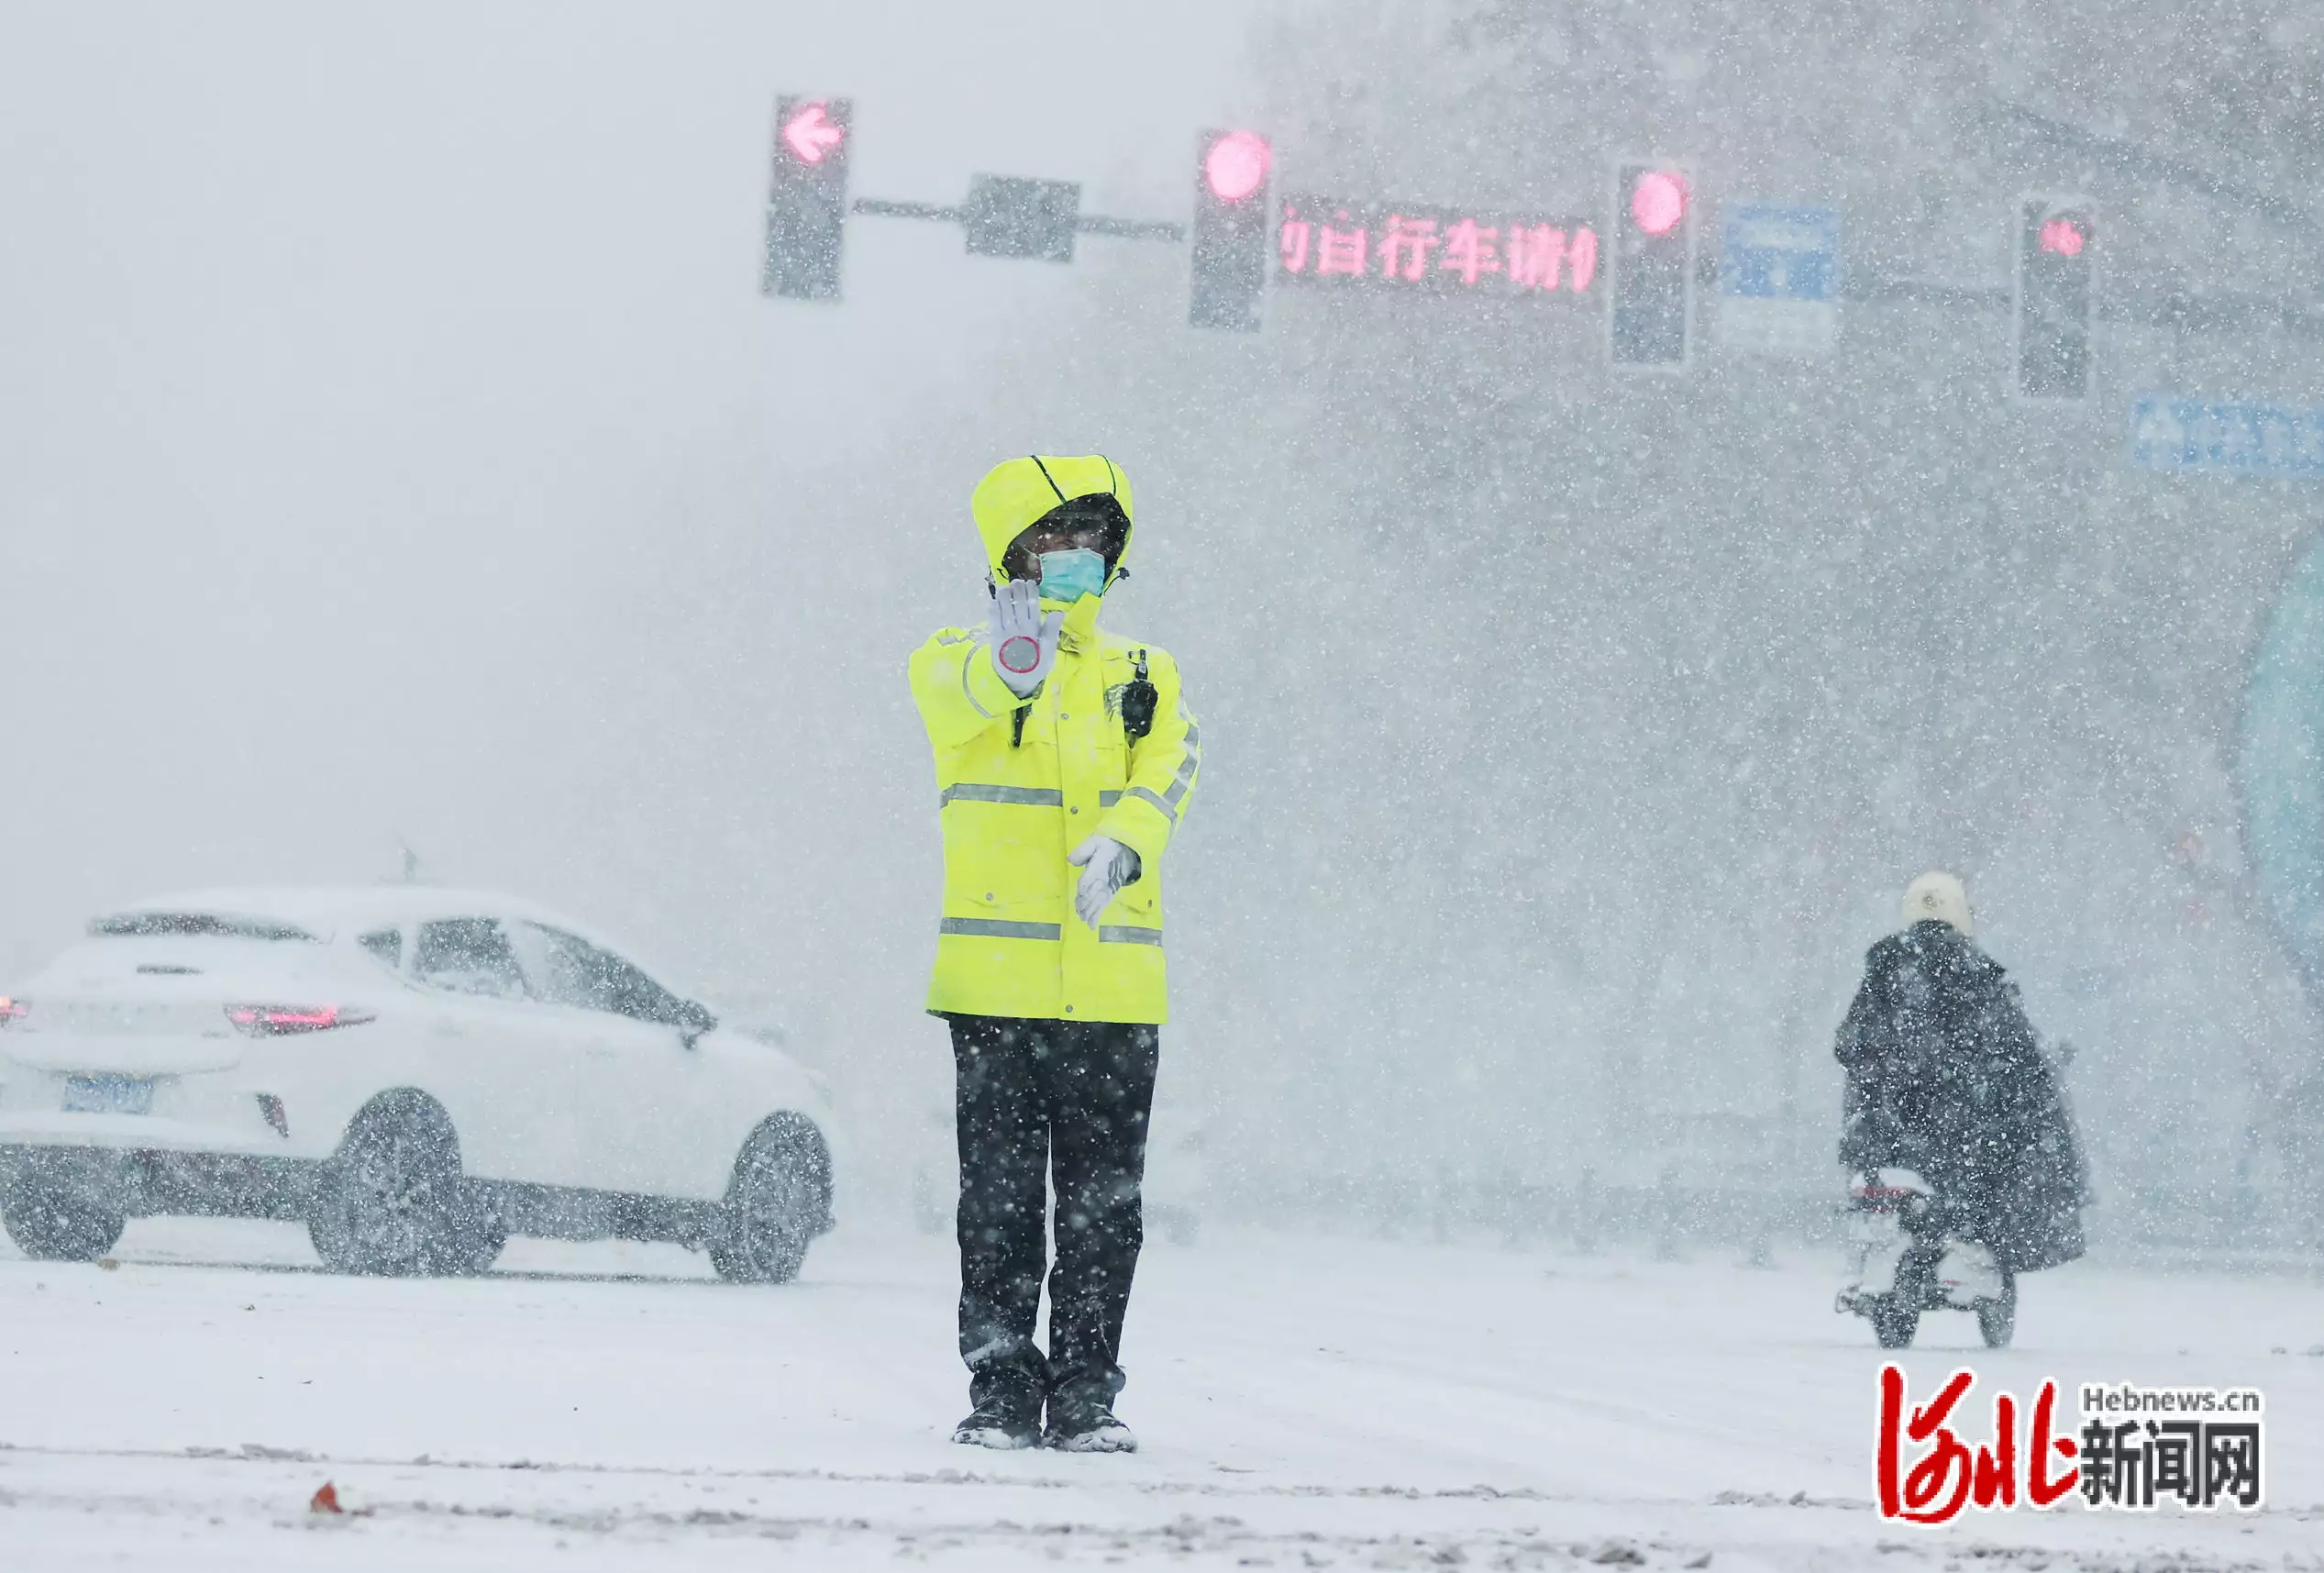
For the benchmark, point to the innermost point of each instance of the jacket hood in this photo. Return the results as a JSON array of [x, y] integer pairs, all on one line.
[[1016, 491]]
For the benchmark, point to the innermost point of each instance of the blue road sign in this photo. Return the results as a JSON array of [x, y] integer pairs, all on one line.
[[2208, 437], [1779, 278]]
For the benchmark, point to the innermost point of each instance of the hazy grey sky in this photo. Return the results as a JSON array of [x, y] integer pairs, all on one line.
[[379, 386]]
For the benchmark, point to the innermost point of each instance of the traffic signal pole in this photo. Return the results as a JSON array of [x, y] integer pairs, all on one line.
[[1083, 222]]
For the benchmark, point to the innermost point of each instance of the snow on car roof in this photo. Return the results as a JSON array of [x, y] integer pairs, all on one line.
[[321, 910], [327, 911]]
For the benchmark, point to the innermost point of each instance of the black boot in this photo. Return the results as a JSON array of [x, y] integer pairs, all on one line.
[[1084, 1422], [1008, 1411]]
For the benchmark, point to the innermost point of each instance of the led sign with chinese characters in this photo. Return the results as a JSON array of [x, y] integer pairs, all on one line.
[[1442, 250]]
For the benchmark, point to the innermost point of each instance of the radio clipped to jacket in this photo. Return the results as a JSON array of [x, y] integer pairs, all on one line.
[[1138, 700]]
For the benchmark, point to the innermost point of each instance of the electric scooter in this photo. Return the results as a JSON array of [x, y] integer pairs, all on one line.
[[1904, 1263]]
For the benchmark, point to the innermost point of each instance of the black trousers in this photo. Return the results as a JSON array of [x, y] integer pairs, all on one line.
[[1034, 1096]]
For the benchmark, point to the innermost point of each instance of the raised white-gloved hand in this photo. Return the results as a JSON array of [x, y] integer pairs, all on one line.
[[1024, 643], [1106, 866]]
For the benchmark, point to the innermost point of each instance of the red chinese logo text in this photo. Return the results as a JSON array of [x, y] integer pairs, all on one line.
[[1952, 1474]]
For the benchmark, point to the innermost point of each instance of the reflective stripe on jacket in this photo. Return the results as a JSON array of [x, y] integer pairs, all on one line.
[[1008, 942]]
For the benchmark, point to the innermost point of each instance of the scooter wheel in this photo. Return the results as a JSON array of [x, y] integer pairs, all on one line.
[[1893, 1323], [1998, 1319]]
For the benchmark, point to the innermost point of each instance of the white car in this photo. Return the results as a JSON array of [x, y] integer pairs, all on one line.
[[416, 1074]]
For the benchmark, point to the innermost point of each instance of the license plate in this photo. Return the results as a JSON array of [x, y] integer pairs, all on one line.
[[108, 1095]]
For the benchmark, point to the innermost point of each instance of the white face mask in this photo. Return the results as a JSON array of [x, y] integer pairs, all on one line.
[[1067, 576]]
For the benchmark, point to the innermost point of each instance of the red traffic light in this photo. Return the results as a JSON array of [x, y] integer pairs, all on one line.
[[1230, 230], [1659, 200], [2064, 236], [1237, 165], [809, 133], [807, 197]]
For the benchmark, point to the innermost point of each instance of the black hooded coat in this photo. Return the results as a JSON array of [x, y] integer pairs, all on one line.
[[1945, 1078]]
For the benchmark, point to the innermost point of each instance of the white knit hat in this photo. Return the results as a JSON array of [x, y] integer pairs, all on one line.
[[1938, 895]]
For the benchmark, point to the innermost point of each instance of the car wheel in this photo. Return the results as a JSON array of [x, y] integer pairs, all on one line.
[[1998, 1319], [58, 1211], [393, 1203], [479, 1234], [775, 1205]]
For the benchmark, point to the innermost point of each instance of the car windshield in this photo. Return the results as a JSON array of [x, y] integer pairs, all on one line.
[[566, 970]]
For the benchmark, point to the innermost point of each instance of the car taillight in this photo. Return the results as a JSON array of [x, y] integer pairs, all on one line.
[[10, 1008], [281, 1020]]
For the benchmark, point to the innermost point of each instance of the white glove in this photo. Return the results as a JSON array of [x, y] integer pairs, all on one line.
[[1106, 866], [1024, 643]]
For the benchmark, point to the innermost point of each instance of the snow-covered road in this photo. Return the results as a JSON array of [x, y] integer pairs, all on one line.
[[1303, 1402]]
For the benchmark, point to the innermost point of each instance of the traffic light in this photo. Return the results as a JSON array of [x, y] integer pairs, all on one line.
[[2056, 254], [1230, 231], [1652, 287], [807, 200]]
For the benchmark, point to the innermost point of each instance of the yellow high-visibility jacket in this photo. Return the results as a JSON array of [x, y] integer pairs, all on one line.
[[1009, 942]]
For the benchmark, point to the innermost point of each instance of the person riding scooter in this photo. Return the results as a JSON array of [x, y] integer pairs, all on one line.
[[1956, 1124]]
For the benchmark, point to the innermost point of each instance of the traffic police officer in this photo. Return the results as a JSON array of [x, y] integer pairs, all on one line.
[[1065, 758]]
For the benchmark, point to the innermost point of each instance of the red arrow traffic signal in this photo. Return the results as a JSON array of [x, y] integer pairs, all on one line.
[[807, 198], [809, 133]]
